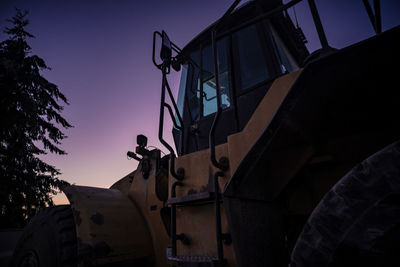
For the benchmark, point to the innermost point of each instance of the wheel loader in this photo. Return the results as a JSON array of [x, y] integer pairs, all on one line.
[[281, 157]]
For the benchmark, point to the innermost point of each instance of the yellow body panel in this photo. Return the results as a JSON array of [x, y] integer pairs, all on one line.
[[142, 193], [198, 222], [240, 143]]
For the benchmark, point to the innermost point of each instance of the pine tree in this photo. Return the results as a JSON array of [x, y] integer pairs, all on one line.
[[29, 127]]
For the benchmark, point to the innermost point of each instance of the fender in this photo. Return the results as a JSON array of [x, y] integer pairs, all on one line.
[[109, 227]]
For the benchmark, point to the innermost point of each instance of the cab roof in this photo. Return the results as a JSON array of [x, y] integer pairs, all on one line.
[[282, 23]]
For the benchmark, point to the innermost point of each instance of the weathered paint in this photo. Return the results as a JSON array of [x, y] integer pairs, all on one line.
[[104, 219], [199, 171]]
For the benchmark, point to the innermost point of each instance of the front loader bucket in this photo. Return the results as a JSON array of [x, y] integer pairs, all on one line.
[[110, 230]]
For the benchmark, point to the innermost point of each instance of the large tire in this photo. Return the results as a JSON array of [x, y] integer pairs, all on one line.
[[49, 240], [357, 223]]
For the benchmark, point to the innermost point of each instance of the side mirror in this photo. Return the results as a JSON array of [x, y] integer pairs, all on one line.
[[166, 53], [166, 50]]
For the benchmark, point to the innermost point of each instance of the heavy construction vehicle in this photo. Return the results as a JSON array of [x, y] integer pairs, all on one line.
[[283, 157]]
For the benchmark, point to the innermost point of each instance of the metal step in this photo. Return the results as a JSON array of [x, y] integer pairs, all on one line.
[[203, 260], [191, 198]]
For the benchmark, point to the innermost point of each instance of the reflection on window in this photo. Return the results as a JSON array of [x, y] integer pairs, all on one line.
[[286, 61], [253, 68], [193, 91], [181, 93], [209, 95]]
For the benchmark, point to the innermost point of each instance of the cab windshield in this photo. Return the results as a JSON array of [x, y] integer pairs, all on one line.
[[252, 70]]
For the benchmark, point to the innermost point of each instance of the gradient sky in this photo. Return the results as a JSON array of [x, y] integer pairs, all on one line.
[[100, 55]]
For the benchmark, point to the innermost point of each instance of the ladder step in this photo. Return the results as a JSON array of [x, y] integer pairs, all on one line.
[[191, 198], [199, 259]]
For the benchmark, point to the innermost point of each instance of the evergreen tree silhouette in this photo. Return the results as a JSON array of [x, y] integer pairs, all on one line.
[[30, 119]]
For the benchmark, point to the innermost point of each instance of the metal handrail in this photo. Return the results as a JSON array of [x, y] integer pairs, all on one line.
[[180, 174], [165, 68], [222, 165], [217, 210], [175, 107]]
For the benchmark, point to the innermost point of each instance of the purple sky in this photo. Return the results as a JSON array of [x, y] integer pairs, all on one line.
[[100, 55]]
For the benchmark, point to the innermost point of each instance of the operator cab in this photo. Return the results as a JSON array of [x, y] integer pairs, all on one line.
[[250, 58]]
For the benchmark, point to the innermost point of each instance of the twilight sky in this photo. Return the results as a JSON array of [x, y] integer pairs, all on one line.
[[100, 55]]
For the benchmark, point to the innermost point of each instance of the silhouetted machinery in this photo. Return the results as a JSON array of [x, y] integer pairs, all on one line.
[[282, 157]]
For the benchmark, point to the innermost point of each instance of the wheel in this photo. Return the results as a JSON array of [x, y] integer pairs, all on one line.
[[49, 240], [357, 223]]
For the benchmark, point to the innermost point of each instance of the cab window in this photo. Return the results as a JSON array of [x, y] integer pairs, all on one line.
[[193, 88], [252, 64], [286, 61], [209, 95], [181, 92]]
